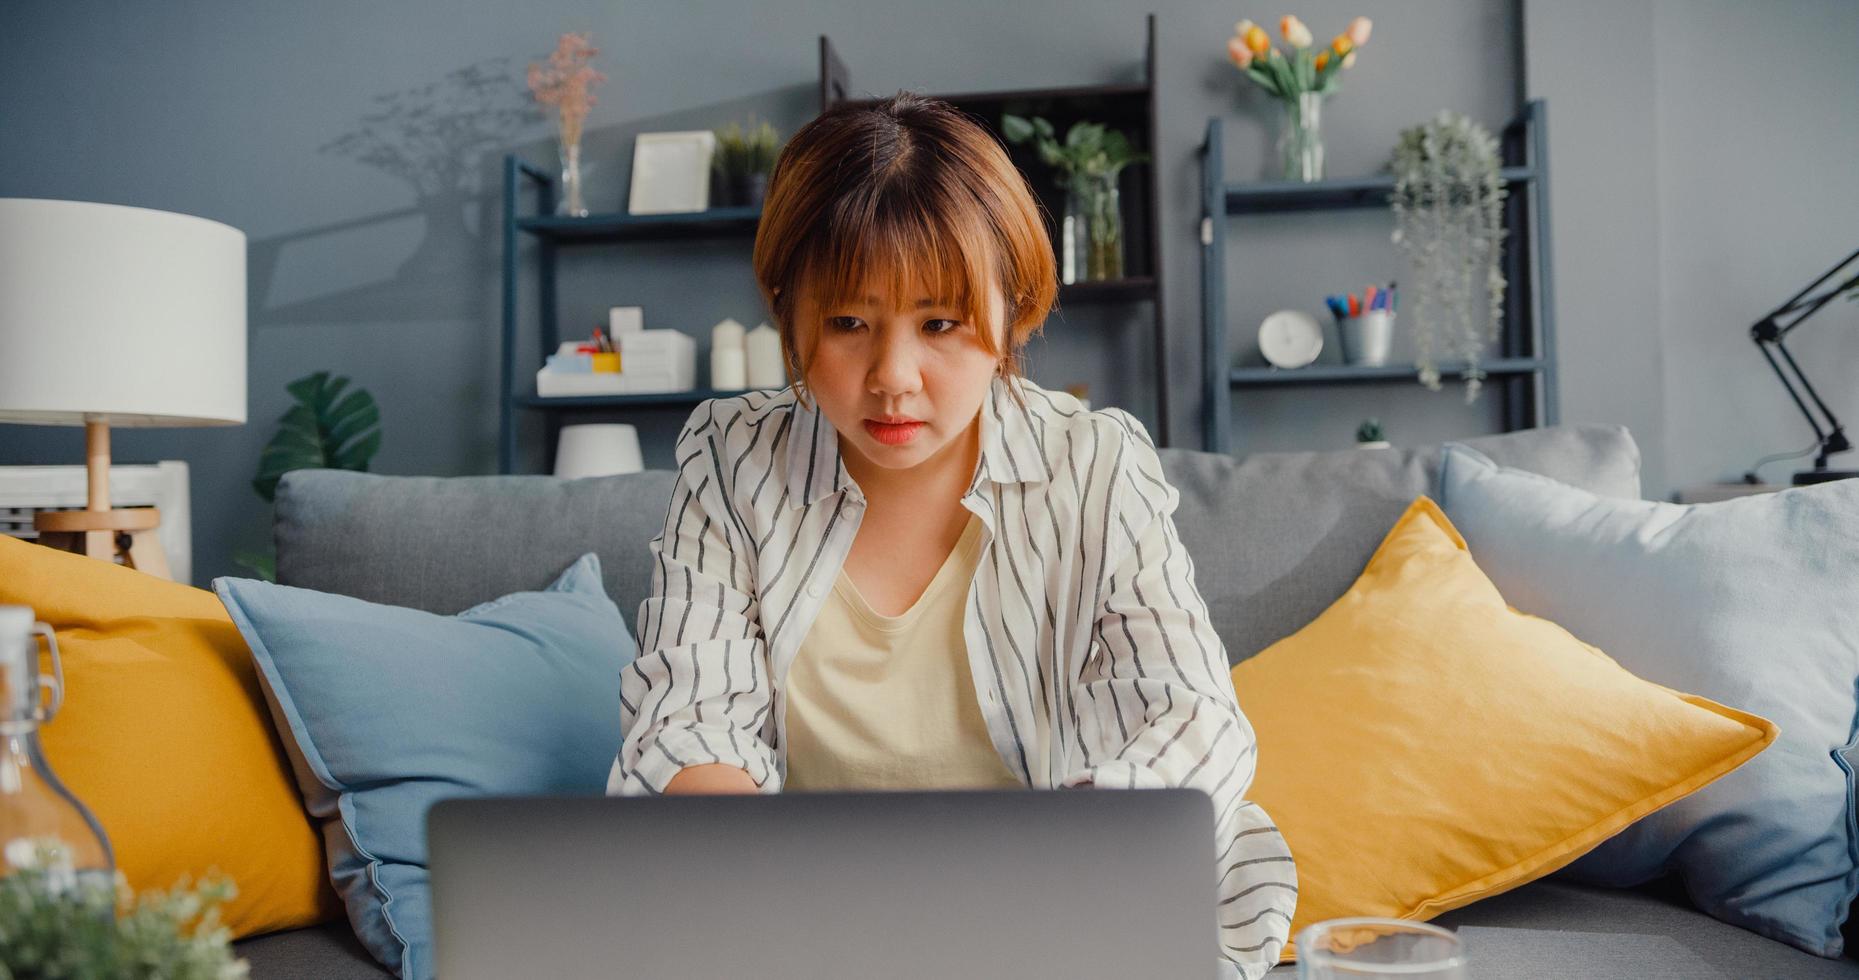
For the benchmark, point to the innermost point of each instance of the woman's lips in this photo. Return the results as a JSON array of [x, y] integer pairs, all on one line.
[[892, 434]]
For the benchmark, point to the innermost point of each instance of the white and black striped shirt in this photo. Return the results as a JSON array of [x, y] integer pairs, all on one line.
[[1091, 648]]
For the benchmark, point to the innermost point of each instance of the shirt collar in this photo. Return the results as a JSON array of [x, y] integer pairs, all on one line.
[[1011, 448]]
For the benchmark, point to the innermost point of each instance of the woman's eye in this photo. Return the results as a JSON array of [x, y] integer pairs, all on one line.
[[952, 325], [844, 324]]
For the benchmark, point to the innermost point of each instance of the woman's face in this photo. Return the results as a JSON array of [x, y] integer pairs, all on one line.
[[900, 377]]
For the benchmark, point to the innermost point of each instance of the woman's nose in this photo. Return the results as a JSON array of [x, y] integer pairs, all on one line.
[[895, 366]]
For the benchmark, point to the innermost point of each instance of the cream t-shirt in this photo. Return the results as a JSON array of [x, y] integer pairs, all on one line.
[[888, 702]]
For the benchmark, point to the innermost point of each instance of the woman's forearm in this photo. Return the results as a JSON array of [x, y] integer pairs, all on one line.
[[711, 777]]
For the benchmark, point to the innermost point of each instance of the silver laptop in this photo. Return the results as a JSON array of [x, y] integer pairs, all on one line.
[[812, 886]]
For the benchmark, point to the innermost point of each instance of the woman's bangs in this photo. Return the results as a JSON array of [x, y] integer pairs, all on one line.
[[902, 256]]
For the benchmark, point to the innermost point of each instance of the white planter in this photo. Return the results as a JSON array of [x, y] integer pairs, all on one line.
[[1377, 444]]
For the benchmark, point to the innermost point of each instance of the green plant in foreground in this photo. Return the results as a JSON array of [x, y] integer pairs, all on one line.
[[1370, 431], [56, 929]]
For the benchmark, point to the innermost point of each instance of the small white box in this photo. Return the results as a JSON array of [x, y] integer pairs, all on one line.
[[558, 384], [625, 319]]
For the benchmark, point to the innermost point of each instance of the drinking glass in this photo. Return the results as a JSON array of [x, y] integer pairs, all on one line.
[[1352, 949]]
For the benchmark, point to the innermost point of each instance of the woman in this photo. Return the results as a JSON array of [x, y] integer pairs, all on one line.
[[913, 567]]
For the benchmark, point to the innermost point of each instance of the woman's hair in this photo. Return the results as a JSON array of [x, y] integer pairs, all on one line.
[[918, 189]]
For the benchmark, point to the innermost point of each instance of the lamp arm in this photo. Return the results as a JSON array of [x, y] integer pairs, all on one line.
[[1770, 332], [1795, 302], [1794, 385]]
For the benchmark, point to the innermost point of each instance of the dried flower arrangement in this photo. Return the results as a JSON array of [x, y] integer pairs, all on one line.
[[567, 83]]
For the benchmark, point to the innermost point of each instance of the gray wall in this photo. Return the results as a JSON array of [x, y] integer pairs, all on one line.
[[1708, 175], [388, 273]]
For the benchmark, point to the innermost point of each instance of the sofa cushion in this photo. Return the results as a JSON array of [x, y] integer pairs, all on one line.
[[162, 713], [390, 710], [1658, 909], [442, 544], [1754, 601], [1276, 537], [1423, 746]]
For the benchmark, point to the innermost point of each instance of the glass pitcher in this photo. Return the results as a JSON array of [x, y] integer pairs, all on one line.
[[44, 829]]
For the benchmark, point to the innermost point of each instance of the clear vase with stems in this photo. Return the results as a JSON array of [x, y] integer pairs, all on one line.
[[1093, 229], [571, 203], [1300, 142]]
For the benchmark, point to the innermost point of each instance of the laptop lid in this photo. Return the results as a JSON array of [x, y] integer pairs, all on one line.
[[896, 884]]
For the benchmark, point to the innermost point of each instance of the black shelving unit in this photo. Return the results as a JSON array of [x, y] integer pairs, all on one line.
[[1129, 107], [1524, 372], [551, 233]]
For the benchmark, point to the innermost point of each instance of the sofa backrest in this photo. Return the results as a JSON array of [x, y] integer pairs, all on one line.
[[1275, 538]]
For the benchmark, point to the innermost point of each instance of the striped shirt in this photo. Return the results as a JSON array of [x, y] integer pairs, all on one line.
[[1089, 642]]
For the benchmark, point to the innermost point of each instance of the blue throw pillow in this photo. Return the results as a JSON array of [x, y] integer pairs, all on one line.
[[1752, 602], [390, 710]]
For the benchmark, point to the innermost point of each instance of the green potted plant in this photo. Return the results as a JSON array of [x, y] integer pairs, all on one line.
[[744, 158], [325, 429], [1088, 162], [1370, 436]]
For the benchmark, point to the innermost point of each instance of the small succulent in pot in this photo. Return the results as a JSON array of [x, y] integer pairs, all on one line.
[[1370, 436], [744, 159]]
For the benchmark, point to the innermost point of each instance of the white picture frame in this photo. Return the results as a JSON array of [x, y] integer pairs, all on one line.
[[671, 172]]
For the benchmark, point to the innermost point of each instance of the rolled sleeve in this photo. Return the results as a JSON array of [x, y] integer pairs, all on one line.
[[699, 693], [1157, 695]]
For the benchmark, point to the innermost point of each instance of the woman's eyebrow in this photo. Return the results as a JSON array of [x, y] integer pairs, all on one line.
[[921, 303]]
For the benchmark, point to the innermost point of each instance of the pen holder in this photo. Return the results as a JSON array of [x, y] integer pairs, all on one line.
[[1367, 337]]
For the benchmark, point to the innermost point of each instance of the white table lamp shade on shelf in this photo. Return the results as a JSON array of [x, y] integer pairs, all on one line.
[[597, 449], [118, 316]]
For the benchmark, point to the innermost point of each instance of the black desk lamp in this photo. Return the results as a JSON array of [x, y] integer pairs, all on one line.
[[1769, 333]]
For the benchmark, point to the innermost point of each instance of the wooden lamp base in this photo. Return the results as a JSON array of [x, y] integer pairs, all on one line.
[[99, 531]]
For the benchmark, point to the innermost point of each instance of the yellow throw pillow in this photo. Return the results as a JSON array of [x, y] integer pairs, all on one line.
[[1422, 745], [165, 735]]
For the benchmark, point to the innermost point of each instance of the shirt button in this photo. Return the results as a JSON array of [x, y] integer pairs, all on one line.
[[816, 590]]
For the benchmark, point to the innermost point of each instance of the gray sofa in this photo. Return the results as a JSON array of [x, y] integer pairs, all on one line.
[[1275, 539]]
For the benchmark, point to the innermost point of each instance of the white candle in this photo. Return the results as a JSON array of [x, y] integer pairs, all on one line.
[[765, 366], [728, 368]]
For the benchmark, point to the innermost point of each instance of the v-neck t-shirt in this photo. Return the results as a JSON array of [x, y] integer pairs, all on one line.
[[888, 702]]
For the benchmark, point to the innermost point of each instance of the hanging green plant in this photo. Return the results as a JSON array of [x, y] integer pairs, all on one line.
[[1448, 204]]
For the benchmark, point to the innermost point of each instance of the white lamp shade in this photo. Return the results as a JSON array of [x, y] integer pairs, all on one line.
[[597, 449], [122, 315]]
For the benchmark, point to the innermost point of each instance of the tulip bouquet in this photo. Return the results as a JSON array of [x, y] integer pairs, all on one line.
[[1302, 70], [1299, 77]]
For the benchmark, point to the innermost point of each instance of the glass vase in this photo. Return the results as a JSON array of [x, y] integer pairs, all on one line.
[[571, 203], [1092, 229], [1300, 142], [45, 831]]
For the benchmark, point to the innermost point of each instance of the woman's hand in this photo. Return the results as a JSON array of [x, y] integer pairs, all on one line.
[[711, 777]]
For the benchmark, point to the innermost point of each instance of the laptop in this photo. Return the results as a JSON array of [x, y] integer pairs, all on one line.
[[1022, 884]]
